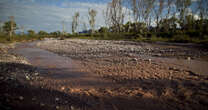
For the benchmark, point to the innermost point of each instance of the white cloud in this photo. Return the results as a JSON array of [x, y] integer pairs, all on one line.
[[49, 18]]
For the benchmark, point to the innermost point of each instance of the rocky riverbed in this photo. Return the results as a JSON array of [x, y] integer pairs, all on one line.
[[115, 75], [140, 77], [18, 90]]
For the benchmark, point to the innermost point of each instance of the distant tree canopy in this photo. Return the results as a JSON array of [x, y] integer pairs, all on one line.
[[151, 16], [7, 27], [31, 32], [56, 33], [42, 33], [103, 30]]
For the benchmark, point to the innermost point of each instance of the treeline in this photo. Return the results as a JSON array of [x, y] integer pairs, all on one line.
[[167, 20], [180, 20]]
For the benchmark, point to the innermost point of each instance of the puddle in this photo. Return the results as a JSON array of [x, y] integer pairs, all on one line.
[[57, 67]]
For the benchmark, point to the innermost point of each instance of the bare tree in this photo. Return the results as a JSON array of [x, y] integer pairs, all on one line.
[[148, 4], [75, 22], [182, 7], [135, 10], [12, 26], [84, 26], [1, 27], [203, 8], [92, 13], [169, 7], [115, 15], [22, 29], [158, 10]]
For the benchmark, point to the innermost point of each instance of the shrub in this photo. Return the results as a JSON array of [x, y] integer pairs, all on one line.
[[181, 38]]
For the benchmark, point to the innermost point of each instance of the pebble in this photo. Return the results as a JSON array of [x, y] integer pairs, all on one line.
[[57, 107], [72, 108], [33, 99], [189, 58], [21, 98], [62, 88], [27, 77], [134, 59], [36, 74], [57, 99], [42, 104], [1, 78]]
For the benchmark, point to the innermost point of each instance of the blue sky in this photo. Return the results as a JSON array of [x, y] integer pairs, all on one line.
[[48, 14]]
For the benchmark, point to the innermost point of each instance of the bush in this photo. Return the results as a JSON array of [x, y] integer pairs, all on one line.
[[181, 38]]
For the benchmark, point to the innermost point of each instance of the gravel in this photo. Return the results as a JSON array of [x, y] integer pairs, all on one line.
[[78, 48], [88, 49]]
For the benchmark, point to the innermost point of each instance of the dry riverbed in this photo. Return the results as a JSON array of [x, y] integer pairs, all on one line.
[[120, 75]]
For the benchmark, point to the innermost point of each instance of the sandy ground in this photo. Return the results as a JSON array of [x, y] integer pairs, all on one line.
[[136, 79]]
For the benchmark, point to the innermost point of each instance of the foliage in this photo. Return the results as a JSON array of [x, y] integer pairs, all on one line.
[[42, 33], [7, 27], [31, 32]]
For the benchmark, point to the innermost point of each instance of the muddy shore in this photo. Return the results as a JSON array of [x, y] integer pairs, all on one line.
[[131, 76]]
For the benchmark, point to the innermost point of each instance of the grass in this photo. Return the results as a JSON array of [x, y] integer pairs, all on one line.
[[18, 38], [179, 38]]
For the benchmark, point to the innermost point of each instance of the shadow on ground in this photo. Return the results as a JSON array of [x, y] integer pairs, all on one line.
[[17, 93]]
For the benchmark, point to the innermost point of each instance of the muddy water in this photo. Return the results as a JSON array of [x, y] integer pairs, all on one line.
[[57, 67]]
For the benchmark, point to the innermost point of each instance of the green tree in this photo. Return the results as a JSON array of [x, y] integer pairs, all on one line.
[[31, 32], [56, 33], [169, 24], [42, 33], [103, 30], [9, 27]]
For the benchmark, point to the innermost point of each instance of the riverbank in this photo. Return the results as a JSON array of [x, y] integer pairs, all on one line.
[[139, 76]]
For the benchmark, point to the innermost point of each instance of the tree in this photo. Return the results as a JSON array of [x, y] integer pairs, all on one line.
[[158, 11], [148, 6], [1, 27], [169, 7], [169, 24], [182, 8], [115, 15], [136, 13], [9, 27], [92, 13], [75, 22], [31, 32], [56, 33], [42, 33], [203, 8], [103, 30]]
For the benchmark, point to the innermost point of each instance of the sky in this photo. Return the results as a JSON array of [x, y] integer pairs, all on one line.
[[48, 15]]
